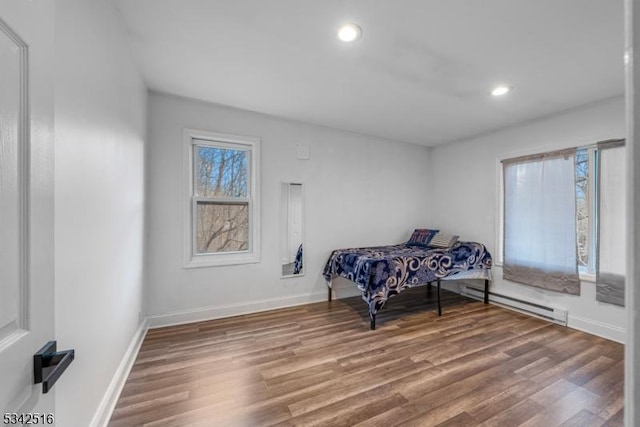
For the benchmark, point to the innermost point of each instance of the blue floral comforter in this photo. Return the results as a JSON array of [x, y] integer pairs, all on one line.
[[383, 271]]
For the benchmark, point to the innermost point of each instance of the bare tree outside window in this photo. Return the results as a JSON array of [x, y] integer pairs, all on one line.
[[222, 199], [582, 208], [222, 228]]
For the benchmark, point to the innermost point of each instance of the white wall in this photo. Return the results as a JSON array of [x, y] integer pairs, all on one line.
[[465, 197], [359, 191], [100, 125]]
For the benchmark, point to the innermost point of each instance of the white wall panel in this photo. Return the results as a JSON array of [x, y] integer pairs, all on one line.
[[100, 126]]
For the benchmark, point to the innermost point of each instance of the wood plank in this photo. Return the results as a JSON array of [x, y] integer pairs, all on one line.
[[562, 409], [583, 418]]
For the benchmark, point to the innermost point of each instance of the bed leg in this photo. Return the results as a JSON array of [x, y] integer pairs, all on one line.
[[330, 293], [373, 321], [486, 291], [439, 302], [429, 289]]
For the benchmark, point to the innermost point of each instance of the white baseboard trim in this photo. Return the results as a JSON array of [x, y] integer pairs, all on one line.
[[221, 311], [110, 398], [604, 330]]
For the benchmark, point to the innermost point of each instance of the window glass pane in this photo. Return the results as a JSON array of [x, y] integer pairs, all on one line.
[[222, 227], [582, 208], [221, 172]]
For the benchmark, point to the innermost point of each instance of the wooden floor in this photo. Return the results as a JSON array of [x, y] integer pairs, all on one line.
[[319, 364]]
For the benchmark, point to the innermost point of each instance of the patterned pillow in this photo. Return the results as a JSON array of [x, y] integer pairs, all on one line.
[[443, 240], [422, 237]]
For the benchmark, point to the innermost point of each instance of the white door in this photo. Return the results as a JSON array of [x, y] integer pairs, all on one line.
[[26, 200]]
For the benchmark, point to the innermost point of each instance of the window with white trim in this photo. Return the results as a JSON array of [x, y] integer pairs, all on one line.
[[223, 205]]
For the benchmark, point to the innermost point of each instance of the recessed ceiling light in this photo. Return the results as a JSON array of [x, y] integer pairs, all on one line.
[[349, 32], [501, 90]]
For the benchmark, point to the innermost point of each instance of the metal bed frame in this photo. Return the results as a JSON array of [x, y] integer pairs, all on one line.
[[429, 285]]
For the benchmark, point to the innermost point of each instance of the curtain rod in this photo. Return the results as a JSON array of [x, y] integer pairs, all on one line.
[[609, 143]]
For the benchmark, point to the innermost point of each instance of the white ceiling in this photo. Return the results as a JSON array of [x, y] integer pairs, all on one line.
[[421, 72]]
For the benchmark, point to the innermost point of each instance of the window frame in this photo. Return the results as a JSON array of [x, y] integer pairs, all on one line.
[[193, 138]]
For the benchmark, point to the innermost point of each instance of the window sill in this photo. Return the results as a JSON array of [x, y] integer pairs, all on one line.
[[585, 277], [220, 261]]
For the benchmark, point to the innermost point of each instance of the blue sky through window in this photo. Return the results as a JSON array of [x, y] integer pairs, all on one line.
[[221, 172]]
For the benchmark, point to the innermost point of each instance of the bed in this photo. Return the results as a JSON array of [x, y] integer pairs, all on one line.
[[384, 271]]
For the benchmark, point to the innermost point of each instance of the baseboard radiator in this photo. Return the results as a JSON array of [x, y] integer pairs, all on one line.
[[555, 315]]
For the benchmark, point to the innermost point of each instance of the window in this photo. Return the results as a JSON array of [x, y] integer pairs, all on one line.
[[223, 205], [586, 209], [600, 196], [563, 214], [540, 221]]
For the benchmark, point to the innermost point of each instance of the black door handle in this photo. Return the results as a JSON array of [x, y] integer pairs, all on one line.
[[49, 364]]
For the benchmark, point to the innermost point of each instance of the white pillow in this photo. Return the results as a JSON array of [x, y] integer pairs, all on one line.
[[443, 240]]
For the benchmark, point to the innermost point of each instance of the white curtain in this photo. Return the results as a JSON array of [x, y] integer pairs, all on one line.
[[540, 221], [611, 226]]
